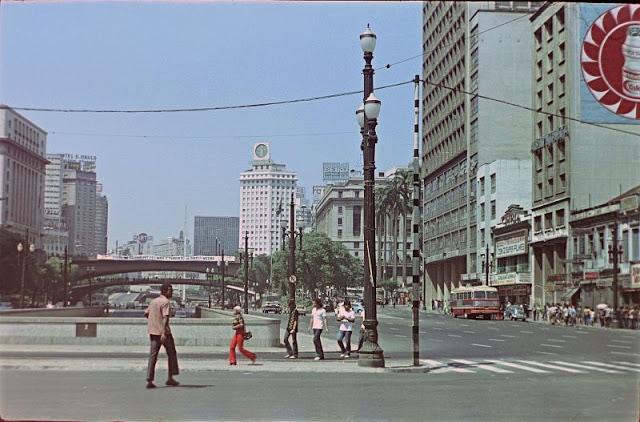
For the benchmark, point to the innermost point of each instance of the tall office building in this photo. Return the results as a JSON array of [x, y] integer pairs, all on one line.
[[55, 232], [79, 203], [212, 235], [102, 220], [479, 47], [578, 73], [265, 195], [23, 147]]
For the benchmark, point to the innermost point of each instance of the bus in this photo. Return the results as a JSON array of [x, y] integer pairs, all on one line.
[[473, 301]]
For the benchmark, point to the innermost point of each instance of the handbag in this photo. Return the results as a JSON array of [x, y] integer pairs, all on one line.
[[247, 335]]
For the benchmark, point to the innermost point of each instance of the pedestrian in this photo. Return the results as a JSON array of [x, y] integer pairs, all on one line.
[[238, 338], [361, 339], [158, 314], [347, 317], [317, 323], [292, 331]]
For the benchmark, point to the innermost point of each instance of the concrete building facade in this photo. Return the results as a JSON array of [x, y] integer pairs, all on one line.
[[23, 148], [265, 194], [482, 48], [212, 235], [79, 199], [102, 220]]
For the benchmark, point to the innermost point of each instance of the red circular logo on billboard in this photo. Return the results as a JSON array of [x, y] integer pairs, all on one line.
[[611, 60]]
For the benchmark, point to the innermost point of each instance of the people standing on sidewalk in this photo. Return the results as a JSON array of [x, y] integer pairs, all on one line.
[[347, 317], [158, 314], [292, 331], [238, 338], [317, 323]]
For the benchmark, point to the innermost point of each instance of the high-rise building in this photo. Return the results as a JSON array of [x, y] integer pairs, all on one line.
[[478, 47], [578, 73], [335, 172], [265, 195], [79, 199], [102, 220], [23, 147], [212, 235], [55, 232]]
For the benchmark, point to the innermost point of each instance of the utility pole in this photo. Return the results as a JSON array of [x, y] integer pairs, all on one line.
[[616, 262], [486, 266], [415, 197], [292, 251], [246, 272], [223, 286], [65, 277]]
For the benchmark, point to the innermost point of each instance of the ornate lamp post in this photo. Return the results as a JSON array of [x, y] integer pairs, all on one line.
[[371, 355], [245, 256], [209, 272], [22, 253], [293, 235], [223, 263]]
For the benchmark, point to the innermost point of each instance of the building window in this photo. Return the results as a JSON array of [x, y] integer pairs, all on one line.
[[562, 182], [550, 186], [550, 62], [550, 123], [482, 212], [550, 94], [493, 183], [537, 224], [481, 183], [356, 245], [548, 29], [539, 70], [549, 149], [339, 194], [539, 105], [339, 210], [538, 37], [560, 148], [561, 53], [357, 194], [539, 124], [563, 119], [482, 236], [340, 221], [538, 191], [357, 213], [493, 210], [538, 155], [548, 221], [560, 19], [339, 233], [560, 218], [561, 86]]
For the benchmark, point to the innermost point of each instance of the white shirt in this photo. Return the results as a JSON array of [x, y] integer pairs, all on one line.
[[346, 325], [318, 316]]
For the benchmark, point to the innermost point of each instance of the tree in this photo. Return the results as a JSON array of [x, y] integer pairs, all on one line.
[[9, 262]]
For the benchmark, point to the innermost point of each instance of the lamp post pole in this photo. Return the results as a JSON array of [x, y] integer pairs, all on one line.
[[486, 266], [246, 272], [292, 251], [371, 355], [209, 273], [65, 277], [415, 220], [223, 286]]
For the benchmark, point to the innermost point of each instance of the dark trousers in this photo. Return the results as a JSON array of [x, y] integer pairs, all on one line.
[[317, 342], [294, 340], [170, 348], [341, 336]]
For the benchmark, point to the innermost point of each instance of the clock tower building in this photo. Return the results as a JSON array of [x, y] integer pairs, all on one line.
[[265, 193]]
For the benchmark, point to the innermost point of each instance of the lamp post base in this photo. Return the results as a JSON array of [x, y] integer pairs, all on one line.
[[371, 354]]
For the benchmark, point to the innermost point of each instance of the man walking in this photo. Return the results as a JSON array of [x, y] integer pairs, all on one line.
[[158, 314], [292, 331]]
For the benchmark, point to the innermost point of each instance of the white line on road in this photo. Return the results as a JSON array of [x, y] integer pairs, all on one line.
[[489, 368], [618, 347], [515, 365], [394, 329], [438, 322], [436, 328], [551, 345], [547, 353], [493, 328], [625, 353], [495, 339], [591, 368], [480, 345], [399, 335], [526, 332], [464, 325], [469, 332], [443, 367], [423, 332], [556, 340], [621, 341], [545, 365], [570, 336], [454, 335], [628, 363], [507, 335], [608, 365], [583, 332]]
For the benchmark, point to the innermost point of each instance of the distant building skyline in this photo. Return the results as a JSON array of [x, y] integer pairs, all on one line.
[[212, 235]]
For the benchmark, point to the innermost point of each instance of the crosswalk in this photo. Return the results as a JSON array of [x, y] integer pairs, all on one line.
[[503, 366]]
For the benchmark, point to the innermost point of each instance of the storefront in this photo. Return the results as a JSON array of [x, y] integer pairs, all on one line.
[[516, 294]]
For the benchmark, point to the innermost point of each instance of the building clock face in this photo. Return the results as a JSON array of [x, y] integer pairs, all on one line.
[[261, 151]]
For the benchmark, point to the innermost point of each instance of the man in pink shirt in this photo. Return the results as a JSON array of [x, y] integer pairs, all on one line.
[[158, 314]]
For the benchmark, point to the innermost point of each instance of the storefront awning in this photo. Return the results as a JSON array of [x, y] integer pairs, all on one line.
[[568, 294]]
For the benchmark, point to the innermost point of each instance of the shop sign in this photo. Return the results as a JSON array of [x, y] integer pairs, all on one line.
[[549, 288], [504, 278], [557, 278], [591, 275], [629, 203], [635, 275], [511, 247], [604, 282], [515, 290]]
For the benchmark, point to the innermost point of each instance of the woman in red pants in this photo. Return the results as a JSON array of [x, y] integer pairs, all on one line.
[[238, 338]]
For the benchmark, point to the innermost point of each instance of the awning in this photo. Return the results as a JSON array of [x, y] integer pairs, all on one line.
[[568, 294]]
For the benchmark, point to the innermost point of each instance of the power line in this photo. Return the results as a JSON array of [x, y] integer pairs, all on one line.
[[387, 66], [199, 109], [497, 100], [198, 137]]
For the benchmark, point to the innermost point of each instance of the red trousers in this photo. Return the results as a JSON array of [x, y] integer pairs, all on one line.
[[238, 341]]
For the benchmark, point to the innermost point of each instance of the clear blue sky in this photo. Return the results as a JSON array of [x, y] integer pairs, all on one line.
[[121, 55]]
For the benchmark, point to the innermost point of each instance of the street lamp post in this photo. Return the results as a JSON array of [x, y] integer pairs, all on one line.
[[223, 286], [615, 252], [246, 273], [293, 235], [65, 277], [209, 272], [23, 254], [371, 354]]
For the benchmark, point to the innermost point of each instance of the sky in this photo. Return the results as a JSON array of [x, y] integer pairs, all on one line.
[[171, 54]]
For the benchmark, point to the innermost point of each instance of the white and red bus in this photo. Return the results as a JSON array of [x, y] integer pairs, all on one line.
[[474, 301]]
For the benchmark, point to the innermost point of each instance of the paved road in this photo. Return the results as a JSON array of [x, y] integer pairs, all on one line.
[[250, 396]]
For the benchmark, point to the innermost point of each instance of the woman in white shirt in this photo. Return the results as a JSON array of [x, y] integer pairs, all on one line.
[[347, 316], [318, 322]]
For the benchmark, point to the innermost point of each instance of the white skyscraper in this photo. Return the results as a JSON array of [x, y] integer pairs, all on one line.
[[265, 194]]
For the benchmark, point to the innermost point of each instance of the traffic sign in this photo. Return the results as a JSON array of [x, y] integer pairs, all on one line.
[[292, 278]]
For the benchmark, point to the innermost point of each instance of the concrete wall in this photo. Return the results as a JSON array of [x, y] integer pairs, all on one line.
[[54, 312], [214, 329]]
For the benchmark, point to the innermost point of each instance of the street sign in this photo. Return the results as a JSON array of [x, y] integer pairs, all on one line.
[[292, 278]]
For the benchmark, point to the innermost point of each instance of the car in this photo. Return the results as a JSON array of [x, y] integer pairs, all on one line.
[[357, 307], [302, 310], [271, 308], [515, 312], [181, 313]]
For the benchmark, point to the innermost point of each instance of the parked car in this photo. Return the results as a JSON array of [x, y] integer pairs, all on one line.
[[357, 307], [515, 312], [271, 308], [181, 313]]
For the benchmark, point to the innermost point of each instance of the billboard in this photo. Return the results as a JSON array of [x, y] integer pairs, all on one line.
[[610, 62], [335, 172]]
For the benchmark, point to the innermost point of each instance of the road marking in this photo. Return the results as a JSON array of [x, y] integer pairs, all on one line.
[[437, 328], [485, 367], [480, 345], [526, 332], [495, 339], [444, 367], [621, 341], [625, 353], [524, 368], [547, 353], [556, 340], [583, 332], [399, 335], [469, 332], [545, 365], [423, 332], [389, 317], [608, 365], [551, 345], [438, 322], [570, 336], [454, 335], [618, 347], [464, 325], [507, 335], [492, 328], [628, 363], [394, 328], [592, 368]]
